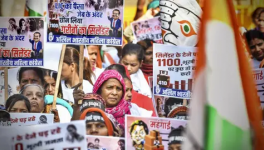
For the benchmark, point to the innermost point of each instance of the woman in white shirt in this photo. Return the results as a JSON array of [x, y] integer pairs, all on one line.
[[132, 58], [70, 74]]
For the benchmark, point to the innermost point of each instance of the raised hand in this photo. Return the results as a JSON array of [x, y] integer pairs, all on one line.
[[78, 94]]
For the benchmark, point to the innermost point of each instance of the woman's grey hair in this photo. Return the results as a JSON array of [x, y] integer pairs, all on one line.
[[28, 85]]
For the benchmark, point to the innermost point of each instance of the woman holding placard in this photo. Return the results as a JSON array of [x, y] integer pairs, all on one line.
[[70, 74]]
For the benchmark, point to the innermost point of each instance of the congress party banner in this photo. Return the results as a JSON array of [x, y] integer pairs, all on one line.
[[63, 136], [27, 119], [147, 29], [105, 143], [180, 20], [85, 22], [21, 41], [148, 133], [174, 67]]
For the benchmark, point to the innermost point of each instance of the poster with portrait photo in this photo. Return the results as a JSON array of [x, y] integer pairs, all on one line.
[[49, 136], [28, 119], [105, 143], [169, 107], [138, 127], [147, 29], [21, 41], [95, 22]]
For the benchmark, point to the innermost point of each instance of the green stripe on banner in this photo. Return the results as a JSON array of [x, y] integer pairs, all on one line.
[[33, 13], [223, 135]]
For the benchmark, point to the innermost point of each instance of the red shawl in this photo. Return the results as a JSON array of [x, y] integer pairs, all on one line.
[[147, 69]]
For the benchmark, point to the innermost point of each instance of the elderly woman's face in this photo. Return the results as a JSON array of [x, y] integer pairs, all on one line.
[[36, 98], [112, 92]]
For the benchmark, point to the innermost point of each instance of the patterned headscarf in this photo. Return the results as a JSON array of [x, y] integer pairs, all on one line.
[[123, 107], [92, 96], [86, 111]]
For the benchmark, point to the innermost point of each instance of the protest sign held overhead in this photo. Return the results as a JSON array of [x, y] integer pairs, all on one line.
[[42, 137], [141, 130], [85, 22], [105, 143], [147, 29], [173, 71], [21, 42], [180, 20], [26, 119]]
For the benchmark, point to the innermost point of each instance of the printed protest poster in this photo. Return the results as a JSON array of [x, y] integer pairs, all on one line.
[[180, 22], [27, 119], [174, 66], [105, 143], [147, 29], [150, 79], [138, 130], [21, 42], [63, 136], [169, 107], [259, 80], [85, 22]]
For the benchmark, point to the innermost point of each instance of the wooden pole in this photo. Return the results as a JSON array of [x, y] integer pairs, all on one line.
[[81, 69], [58, 77], [6, 82]]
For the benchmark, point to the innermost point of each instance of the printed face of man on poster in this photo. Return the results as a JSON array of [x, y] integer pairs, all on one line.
[[115, 22], [36, 43]]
